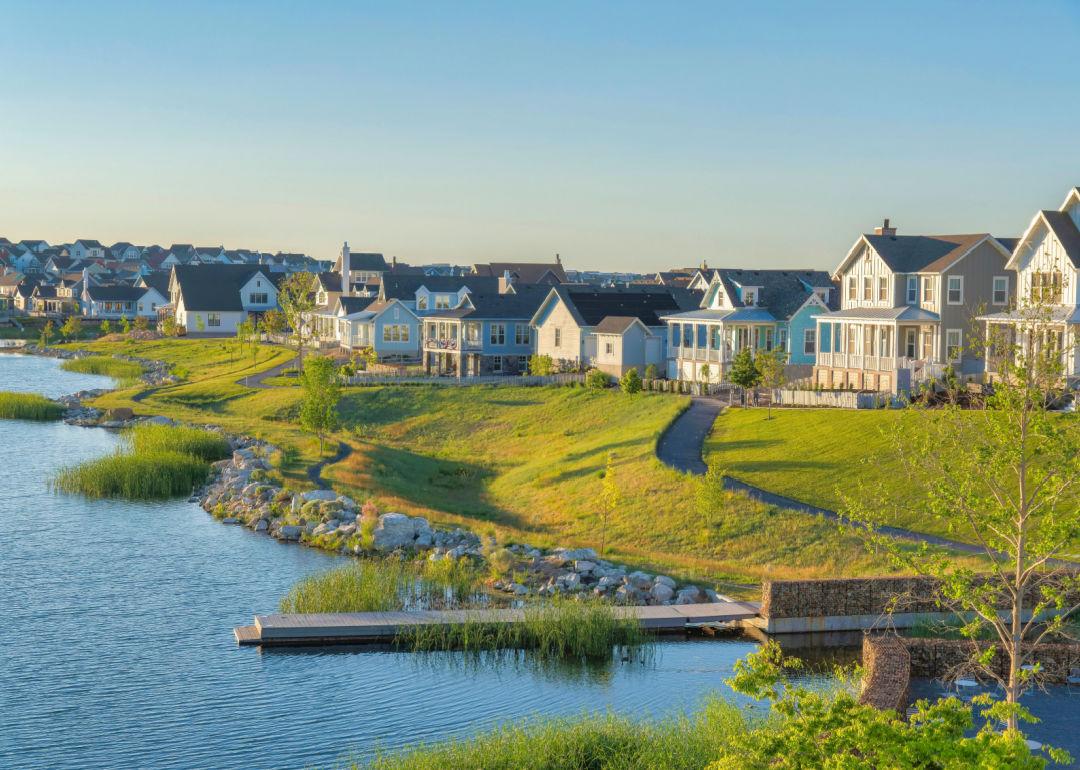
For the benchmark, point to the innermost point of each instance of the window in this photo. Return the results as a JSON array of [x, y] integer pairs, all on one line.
[[954, 294], [609, 348], [213, 319], [523, 364], [910, 349], [395, 333], [498, 335], [749, 297], [521, 334], [781, 342], [558, 337], [912, 290], [496, 364], [954, 347], [472, 331], [258, 298], [1046, 287], [851, 288], [883, 289], [421, 302], [442, 302], [927, 289], [867, 288], [1001, 290], [809, 343]]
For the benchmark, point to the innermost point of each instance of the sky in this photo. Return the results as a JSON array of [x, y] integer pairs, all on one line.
[[623, 136]]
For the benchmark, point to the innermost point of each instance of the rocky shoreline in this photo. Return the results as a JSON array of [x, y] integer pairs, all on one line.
[[240, 492]]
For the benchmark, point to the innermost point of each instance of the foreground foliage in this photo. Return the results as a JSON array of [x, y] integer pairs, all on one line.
[[28, 406]]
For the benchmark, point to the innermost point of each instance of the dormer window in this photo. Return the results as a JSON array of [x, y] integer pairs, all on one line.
[[749, 296], [421, 302]]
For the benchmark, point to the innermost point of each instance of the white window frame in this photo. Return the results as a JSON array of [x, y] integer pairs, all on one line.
[[883, 288], [911, 343], [912, 295], [421, 302], [497, 339], [522, 339], [928, 289], [998, 280], [497, 364], [958, 345], [809, 345], [212, 319], [609, 348], [949, 289], [868, 288], [749, 296], [852, 289], [558, 337]]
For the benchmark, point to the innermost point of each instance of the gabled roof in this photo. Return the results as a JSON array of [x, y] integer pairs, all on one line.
[[115, 293], [618, 324], [521, 304], [159, 280], [354, 304], [330, 281], [395, 286], [1065, 230], [523, 272], [589, 305], [921, 253], [89, 243], [364, 261], [214, 287], [782, 292], [901, 313]]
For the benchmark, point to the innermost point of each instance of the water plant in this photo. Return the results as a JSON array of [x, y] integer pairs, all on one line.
[[155, 475], [28, 406], [118, 369], [203, 444]]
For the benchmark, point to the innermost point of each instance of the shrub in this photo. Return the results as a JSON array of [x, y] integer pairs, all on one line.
[[28, 406], [630, 382], [651, 372], [595, 378], [144, 476], [541, 365]]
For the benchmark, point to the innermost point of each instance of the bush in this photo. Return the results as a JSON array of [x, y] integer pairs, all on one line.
[[541, 366], [651, 372], [28, 406], [630, 382], [595, 378]]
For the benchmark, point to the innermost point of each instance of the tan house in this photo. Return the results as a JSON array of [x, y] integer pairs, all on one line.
[[908, 303]]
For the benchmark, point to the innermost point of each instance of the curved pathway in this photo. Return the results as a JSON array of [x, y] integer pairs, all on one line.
[[681, 448], [314, 472], [259, 380]]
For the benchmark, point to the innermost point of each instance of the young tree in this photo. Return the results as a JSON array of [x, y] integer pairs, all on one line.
[[711, 497], [770, 366], [706, 373], [273, 323], [71, 328], [142, 323], [1006, 477], [744, 371], [651, 372], [47, 333], [594, 378], [125, 325], [255, 340], [296, 296], [630, 382], [318, 410], [245, 330], [169, 326], [610, 498], [106, 327], [200, 324]]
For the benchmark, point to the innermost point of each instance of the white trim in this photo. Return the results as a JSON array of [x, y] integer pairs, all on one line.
[[993, 290], [948, 289], [959, 345], [912, 283]]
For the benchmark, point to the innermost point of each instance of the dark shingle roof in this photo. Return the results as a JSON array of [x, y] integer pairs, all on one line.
[[615, 324], [404, 287], [116, 293], [522, 304], [782, 291], [921, 253], [366, 260], [90, 243], [355, 304], [330, 281], [214, 287], [159, 280], [1065, 230], [592, 304], [525, 272]]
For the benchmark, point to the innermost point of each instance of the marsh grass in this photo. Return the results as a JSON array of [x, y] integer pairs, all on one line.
[[589, 742], [155, 475], [154, 462], [559, 630], [118, 369], [383, 585], [28, 406]]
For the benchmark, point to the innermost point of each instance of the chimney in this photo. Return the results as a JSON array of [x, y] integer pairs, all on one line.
[[558, 259], [393, 262], [506, 280], [85, 291], [885, 229], [346, 268]]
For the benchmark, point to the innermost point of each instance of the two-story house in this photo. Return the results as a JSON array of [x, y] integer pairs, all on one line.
[[86, 248], [749, 310], [214, 299], [484, 334], [1044, 314], [908, 303]]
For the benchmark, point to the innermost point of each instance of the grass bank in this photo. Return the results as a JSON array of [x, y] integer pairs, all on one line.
[[155, 462], [28, 406], [119, 369]]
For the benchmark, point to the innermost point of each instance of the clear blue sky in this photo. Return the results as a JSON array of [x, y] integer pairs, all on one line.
[[623, 135]]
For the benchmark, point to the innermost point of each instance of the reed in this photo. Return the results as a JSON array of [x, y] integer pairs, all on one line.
[[28, 406], [559, 630], [117, 368], [152, 475], [203, 444], [589, 742]]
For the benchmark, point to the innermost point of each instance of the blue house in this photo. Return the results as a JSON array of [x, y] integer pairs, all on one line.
[[749, 309]]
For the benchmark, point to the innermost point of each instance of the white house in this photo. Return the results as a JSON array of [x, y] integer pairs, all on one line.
[[214, 299], [84, 249]]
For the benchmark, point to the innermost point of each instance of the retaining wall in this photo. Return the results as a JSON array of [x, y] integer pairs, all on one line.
[[937, 658], [886, 672]]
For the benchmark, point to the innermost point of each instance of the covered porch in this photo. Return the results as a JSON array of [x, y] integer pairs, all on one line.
[[1057, 334], [709, 339]]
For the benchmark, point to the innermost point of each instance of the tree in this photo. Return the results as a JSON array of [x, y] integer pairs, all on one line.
[[610, 498], [744, 371], [705, 373], [273, 323], [200, 324], [297, 299], [1005, 477], [245, 330], [47, 333], [142, 323], [630, 382], [255, 340], [541, 365], [71, 328], [651, 372], [770, 366], [711, 497], [125, 325], [106, 327], [318, 410], [169, 326]]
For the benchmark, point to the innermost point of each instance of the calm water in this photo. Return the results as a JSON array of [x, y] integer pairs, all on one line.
[[116, 650]]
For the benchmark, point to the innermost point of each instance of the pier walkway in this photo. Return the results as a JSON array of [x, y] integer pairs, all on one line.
[[359, 627]]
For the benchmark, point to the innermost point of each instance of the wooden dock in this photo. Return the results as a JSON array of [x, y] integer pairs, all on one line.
[[361, 627]]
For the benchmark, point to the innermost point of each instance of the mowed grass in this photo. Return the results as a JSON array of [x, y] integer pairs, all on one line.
[[28, 406]]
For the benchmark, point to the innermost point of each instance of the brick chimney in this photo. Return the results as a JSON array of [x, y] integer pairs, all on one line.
[[885, 229], [346, 274], [506, 280]]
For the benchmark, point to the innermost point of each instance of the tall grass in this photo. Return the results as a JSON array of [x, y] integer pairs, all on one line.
[[203, 444], [382, 585], [28, 406], [560, 630], [118, 369], [591, 742], [144, 476], [154, 462]]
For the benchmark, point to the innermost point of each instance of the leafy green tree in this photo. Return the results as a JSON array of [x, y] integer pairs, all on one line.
[[651, 372], [610, 498], [106, 327], [46, 333], [245, 330], [273, 323], [1005, 478], [541, 365], [142, 323], [770, 366], [200, 324], [255, 340], [705, 373], [744, 371], [169, 326], [296, 295], [711, 498], [318, 410], [125, 325], [630, 382], [71, 328]]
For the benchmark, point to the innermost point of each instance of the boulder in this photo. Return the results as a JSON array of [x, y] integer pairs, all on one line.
[[157, 419], [574, 554], [261, 525], [627, 594], [584, 567], [690, 595], [661, 592], [571, 581], [230, 520], [395, 530], [320, 494], [290, 532], [641, 580], [665, 580], [120, 414]]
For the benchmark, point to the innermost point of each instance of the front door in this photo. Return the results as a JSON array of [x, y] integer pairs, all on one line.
[[909, 343]]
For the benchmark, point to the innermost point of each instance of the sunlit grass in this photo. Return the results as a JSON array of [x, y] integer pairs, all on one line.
[[28, 406], [118, 369]]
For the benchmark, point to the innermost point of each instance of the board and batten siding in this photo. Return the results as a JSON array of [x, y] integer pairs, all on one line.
[[803, 319], [572, 346], [977, 270], [396, 314]]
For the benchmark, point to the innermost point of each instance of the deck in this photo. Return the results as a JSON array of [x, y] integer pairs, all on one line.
[[360, 627]]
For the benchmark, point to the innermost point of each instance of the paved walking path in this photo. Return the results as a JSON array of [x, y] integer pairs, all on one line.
[[681, 446], [259, 380]]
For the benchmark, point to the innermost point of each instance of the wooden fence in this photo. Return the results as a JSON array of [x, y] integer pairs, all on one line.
[[842, 399], [506, 381]]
